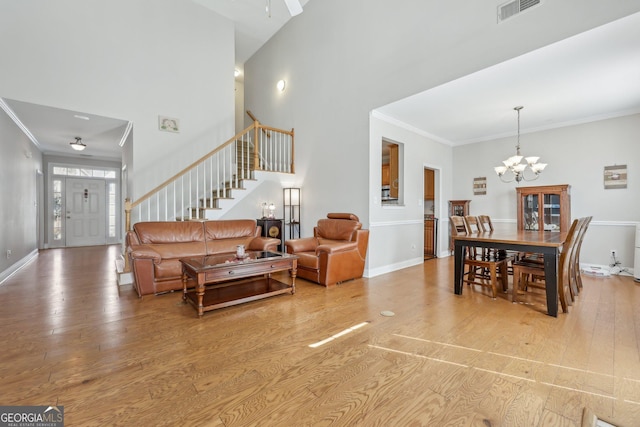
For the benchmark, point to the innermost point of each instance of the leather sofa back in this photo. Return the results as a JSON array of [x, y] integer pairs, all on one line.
[[169, 232], [337, 229], [225, 235]]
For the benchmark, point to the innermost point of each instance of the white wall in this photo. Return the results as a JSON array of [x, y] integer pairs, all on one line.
[[575, 155], [400, 229], [20, 162], [342, 59], [132, 60]]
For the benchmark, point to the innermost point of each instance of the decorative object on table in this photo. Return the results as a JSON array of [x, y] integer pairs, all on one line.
[[168, 124], [240, 251], [480, 186], [291, 209], [615, 177], [272, 211], [517, 169]]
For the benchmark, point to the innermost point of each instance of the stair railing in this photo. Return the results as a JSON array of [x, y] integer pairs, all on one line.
[[200, 186]]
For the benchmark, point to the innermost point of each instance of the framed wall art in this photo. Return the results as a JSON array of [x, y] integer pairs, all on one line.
[[168, 124], [480, 186], [615, 177]]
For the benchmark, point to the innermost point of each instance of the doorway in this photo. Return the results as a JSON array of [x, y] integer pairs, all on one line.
[[84, 206], [430, 217]]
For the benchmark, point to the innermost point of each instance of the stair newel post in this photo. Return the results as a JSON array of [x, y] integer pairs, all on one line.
[[256, 145], [293, 152], [127, 227]]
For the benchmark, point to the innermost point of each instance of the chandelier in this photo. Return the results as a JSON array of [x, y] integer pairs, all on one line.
[[517, 169]]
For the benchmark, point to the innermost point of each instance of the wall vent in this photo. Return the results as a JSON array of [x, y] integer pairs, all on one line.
[[514, 7]]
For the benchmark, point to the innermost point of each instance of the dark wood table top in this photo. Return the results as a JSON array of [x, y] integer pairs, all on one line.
[[513, 236]]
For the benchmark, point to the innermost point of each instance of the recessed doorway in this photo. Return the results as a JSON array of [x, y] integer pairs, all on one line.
[[430, 217]]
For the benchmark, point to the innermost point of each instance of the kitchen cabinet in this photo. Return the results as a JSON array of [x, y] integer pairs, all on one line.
[[546, 207], [429, 238], [429, 182], [385, 174]]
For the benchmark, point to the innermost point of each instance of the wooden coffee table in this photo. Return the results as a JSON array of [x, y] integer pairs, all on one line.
[[224, 280]]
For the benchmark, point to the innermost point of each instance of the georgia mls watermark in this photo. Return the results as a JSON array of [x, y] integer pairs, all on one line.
[[31, 416]]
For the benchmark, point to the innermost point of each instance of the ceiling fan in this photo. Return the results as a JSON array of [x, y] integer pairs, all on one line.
[[294, 6]]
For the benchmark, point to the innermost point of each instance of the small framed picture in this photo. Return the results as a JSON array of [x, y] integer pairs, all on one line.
[[168, 124], [480, 186], [615, 177]]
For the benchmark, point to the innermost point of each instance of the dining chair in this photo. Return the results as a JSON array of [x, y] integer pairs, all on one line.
[[487, 226], [485, 223], [576, 278], [479, 270], [528, 274]]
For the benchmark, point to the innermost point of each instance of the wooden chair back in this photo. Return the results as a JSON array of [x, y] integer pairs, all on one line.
[[457, 226], [472, 225], [485, 222]]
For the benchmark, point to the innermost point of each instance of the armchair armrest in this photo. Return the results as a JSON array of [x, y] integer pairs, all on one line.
[[305, 244], [336, 247]]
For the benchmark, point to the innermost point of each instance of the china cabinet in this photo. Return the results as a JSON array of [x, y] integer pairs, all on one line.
[[457, 208], [545, 207]]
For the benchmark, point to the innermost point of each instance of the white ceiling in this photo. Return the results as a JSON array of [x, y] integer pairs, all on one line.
[[54, 128], [253, 25], [591, 76]]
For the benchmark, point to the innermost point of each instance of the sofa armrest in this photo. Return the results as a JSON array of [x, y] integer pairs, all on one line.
[[263, 244], [132, 238], [336, 247], [144, 252], [305, 244]]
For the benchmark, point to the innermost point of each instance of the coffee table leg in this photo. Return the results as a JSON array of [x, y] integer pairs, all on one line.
[[184, 286], [200, 292], [292, 273]]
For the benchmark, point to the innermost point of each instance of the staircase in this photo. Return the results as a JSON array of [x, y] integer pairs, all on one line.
[[207, 188], [196, 192]]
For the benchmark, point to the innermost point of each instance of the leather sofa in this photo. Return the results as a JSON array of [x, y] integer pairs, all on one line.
[[336, 252], [155, 248]]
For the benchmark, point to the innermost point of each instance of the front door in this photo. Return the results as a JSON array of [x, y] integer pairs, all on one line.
[[86, 213]]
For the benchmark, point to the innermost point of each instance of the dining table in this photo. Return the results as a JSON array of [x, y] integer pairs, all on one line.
[[547, 243]]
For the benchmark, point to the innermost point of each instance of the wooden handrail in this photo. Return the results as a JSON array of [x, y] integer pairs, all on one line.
[[191, 167]]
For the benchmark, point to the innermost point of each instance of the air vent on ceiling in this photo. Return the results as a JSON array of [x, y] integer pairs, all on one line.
[[511, 8]]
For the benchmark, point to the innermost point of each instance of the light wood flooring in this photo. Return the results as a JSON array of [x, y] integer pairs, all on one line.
[[70, 336]]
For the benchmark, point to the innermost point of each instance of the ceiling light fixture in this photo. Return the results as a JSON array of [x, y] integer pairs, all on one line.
[[516, 168], [78, 145]]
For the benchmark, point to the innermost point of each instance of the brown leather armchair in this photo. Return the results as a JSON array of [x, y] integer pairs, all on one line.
[[335, 253]]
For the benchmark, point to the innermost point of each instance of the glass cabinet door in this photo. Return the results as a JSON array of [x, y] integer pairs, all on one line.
[[551, 212], [530, 212]]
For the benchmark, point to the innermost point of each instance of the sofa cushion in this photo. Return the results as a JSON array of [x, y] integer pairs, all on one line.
[[225, 235], [169, 232]]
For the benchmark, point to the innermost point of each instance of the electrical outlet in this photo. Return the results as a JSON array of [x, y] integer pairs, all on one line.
[[613, 252], [8, 253]]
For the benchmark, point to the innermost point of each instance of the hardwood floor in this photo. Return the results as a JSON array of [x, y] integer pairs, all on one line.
[[71, 337]]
